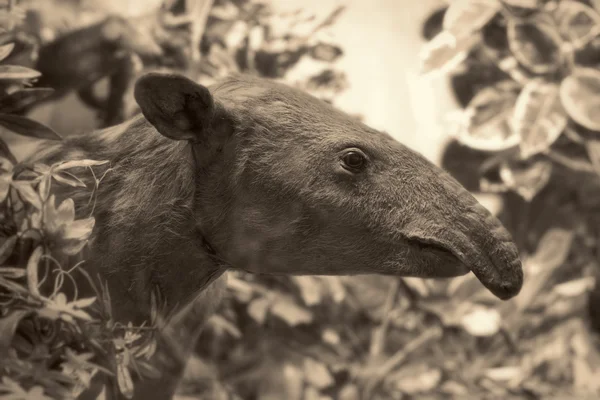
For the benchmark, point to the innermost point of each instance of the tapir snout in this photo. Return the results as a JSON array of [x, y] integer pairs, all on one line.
[[460, 225]]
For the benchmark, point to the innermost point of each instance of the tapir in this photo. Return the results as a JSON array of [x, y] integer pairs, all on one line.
[[255, 175]]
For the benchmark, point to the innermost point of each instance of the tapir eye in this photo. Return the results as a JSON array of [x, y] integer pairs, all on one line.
[[354, 160]]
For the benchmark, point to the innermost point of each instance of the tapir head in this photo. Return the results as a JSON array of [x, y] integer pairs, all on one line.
[[288, 184]]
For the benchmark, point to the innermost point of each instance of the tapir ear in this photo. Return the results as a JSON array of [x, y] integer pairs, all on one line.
[[176, 106]]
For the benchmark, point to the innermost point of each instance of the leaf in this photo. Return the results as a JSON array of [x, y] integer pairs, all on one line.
[[17, 72], [258, 309], [8, 327], [5, 181], [577, 22], [317, 374], [503, 373], [464, 17], [535, 43], [78, 163], [76, 182], [580, 96], [27, 193], [539, 117], [291, 313], [5, 50], [12, 273], [444, 52], [481, 321], [575, 287], [593, 150], [124, 380], [27, 127], [526, 178], [7, 248], [23, 98], [552, 251], [83, 303], [533, 4], [44, 187], [310, 289], [488, 118], [32, 271]]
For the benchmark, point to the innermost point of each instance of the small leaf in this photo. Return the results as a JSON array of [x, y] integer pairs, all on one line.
[[575, 287], [488, 118], [539, 117], [444, 52], [44, 187], [317, 374], [258, 309], [5, 50], [17, 72], [78, 163], [464, 17], [593, 150], [27, 193], [27, 127], [526, 178], [23, 98], [577, 22], [481, 321], [12, 273], [580, 96], [32, 272], [503, 373], [310, 289], [291, 313], [83, 303], [5, 181], [124, 380], [76, 182], [535, 43], [7, 248], [8, 327]]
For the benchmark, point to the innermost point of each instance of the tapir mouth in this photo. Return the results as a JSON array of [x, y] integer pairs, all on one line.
[[450, 265]]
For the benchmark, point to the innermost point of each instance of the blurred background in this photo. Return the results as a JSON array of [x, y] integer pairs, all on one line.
[[504, 94]]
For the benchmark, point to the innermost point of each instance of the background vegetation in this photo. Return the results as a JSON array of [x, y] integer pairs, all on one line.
[[527, 75]]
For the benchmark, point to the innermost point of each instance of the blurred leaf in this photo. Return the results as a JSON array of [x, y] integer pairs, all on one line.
[[580, 96], [12, 273], [593, 150], [27, 127], [8, 327], [5, 50], [526, 178], [5, 152], [23, 98], [7, 248], [539, 117], [522, 3], [32, 272], [5, 181], [464, 17], [124, 380], [417, 379], [503, 373], [444, 52], [293, 314], [488, 118], [17, 72], [258, 309], [535, 43], [317, 374], [577, 22], [310, 289], [481, 321], [552, 251], [575, 287]]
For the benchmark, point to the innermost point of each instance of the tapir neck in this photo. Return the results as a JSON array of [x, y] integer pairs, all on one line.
[[145, 240]]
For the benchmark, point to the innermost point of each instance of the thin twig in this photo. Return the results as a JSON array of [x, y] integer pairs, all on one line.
[[200, 11], [571, 164], [393, 362], [379, 333]]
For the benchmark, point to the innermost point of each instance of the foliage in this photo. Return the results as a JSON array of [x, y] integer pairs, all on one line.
[[525, 74]]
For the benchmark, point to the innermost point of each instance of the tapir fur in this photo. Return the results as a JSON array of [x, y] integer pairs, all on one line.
[[256, 170]]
